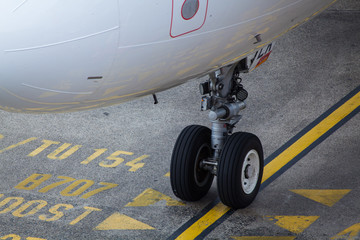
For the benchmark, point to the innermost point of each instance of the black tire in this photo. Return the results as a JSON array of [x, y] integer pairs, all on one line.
[[238, 181], [188, 181]]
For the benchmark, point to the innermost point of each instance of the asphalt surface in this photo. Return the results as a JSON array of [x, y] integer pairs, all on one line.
[[102, 174]]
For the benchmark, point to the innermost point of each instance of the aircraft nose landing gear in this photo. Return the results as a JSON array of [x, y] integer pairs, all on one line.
[[200, 153]]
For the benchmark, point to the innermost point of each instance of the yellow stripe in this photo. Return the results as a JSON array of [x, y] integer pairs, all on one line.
[[311, 136], [18, 144], [207, 220]]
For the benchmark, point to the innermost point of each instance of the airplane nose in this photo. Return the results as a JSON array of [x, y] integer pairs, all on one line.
[[48, 59]]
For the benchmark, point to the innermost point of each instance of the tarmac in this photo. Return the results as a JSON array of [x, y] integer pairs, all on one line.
[[104, 173]]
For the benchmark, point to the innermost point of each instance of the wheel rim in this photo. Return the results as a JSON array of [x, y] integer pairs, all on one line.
[[250, 171], [201, 176]]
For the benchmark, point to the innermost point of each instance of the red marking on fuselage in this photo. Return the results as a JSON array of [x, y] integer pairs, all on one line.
[[172, 18]]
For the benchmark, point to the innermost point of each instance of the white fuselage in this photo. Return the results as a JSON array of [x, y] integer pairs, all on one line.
[[68, 55]]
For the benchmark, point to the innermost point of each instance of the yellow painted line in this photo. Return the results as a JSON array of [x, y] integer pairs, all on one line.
[[311, 136], [88, 210], [118, 221], [328, 197], [207, 220], [294, 224], [150, 197], [18, 144], [350, 233]]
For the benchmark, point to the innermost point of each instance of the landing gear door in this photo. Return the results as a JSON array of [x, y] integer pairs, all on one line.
[[187, 16], [261, 56]]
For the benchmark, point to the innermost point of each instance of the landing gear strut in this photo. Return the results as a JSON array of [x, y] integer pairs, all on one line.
[[200, 153]]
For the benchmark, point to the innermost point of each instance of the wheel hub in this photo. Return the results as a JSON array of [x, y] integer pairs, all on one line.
[[250, 171], [202, 176]]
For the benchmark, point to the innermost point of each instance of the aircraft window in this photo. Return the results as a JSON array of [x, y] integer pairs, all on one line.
[[189, 9]]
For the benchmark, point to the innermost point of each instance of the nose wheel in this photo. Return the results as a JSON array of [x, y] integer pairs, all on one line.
[[189, 181], [200, 153], [240, 170]]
